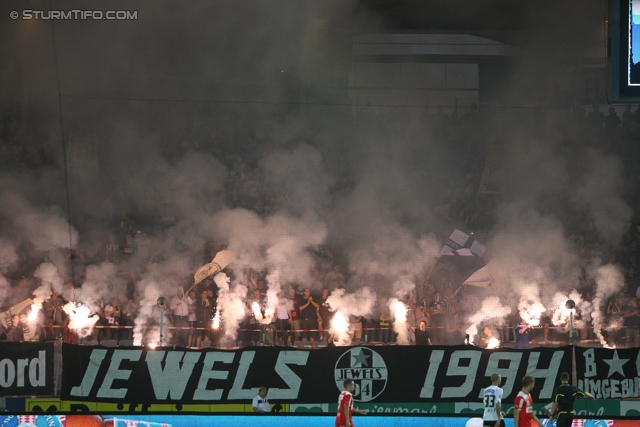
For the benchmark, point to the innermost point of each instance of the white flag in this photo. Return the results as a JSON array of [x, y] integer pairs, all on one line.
[[461, 244], [220, 261], [489, 276]]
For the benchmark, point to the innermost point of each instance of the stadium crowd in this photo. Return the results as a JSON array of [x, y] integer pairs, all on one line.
[[129, 241]]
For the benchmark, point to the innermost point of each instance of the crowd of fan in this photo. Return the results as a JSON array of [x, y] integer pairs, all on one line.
[[462, 145]]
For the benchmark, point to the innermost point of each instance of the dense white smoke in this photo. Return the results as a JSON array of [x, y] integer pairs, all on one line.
[[491, 310], [363, 183], [102, 284], [561, 313], [599, 194], [309, 191], [46, 229], [81, 319], [49, 277], [278, 243], [358, 303], [8, 262], [8, 256]]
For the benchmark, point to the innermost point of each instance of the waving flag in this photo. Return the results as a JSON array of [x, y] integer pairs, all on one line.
[[462, 244], [220, 261], [489, 276]]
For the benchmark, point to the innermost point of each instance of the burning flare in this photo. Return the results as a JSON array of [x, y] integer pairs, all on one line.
[[35, 309], [399, 311], [340, 328], [216, 321], [255, 308], [493, 343], [80, 320]]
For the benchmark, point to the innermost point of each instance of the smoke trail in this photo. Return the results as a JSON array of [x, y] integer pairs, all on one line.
[[50, 281], [269, 310], [530, 307], [610, 281], [48, 275], [153, 285], [230, 305], [149, 315], [399, 312], [359, 303]]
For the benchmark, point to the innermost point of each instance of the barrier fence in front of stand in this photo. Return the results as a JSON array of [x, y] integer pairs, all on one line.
[[365, 333]]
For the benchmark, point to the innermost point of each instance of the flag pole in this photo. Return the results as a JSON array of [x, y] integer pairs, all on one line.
[[427, 277]]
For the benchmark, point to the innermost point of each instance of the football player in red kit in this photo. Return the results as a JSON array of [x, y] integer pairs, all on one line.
[[345, 406], [523, 415]]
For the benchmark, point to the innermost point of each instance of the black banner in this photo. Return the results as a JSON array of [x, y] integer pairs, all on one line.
[[26, 369], [609, 373], [382, 374]]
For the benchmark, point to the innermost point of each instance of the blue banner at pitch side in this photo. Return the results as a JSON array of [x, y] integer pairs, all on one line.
[[382, 374], [269, 420]]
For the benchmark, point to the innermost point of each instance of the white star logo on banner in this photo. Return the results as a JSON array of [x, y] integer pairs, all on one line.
[[360, 359], [615, 364]]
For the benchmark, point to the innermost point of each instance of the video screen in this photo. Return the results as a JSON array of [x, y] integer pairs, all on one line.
[[624, 43], [633, 39]]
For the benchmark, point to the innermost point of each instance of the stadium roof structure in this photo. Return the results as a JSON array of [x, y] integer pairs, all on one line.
[[465, 45]]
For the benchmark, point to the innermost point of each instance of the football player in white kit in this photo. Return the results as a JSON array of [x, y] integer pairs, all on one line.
[[492, 400]]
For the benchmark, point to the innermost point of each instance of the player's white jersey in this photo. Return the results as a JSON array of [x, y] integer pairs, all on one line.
[[492, 396]]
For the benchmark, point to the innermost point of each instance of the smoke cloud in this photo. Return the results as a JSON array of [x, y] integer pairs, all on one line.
[[491, 309]]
